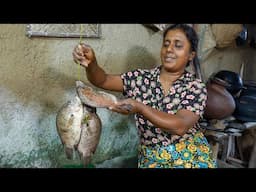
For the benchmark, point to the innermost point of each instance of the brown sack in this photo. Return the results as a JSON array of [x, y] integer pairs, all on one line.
[[220, 103], [225, 34]]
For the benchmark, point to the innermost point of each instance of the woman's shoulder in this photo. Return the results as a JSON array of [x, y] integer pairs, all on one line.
[[149, 70], [192, 77], [141, 71], [192, 80]]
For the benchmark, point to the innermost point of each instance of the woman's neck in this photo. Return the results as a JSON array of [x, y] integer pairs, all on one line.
[[167, 79], [168, 76]]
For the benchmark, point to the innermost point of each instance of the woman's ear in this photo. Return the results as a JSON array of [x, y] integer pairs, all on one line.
[[192, 56]]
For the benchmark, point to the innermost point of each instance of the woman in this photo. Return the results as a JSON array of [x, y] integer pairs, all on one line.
[[167, 102]]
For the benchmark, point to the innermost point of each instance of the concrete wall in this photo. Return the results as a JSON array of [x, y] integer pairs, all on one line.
[[37, 76], [230, 57]]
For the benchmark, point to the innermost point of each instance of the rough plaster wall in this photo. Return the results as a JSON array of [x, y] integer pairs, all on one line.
[[250, 65], [38, 76], [231, 59]]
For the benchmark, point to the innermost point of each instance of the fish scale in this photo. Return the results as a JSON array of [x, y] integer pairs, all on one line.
[[90, 135], [68, 123]]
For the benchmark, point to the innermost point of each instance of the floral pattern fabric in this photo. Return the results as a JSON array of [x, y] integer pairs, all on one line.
[[187, 92], [191, 153]]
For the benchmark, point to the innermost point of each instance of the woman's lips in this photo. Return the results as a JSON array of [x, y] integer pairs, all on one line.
[[169, 59]]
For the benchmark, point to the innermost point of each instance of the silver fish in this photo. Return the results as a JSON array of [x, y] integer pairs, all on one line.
[[68, 122], [90, 135], [94, 98]]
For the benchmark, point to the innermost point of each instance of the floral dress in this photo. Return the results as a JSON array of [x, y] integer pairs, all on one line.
[[158, 148]]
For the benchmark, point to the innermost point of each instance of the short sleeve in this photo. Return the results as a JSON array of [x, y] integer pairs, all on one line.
[[194, 97]]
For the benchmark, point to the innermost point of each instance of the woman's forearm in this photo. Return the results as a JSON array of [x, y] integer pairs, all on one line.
[[168, 122], [96, 75]]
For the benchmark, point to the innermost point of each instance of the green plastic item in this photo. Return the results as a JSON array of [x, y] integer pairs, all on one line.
[[78, 166]]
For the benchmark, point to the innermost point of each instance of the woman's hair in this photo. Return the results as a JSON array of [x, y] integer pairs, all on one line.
[[190, 34]]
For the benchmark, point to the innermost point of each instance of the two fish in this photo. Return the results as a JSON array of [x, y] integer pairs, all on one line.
[[78, 124]]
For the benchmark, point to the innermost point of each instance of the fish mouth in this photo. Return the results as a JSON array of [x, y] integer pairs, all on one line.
[[78, 99], [80, 84]]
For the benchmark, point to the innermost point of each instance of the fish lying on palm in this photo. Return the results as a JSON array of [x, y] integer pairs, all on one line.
[[97, 99], [68, 122], [90, 134]]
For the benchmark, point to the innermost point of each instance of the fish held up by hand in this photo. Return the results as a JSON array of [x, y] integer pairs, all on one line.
[[68, 123]]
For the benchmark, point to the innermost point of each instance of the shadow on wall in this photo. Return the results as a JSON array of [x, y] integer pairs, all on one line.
[[55, 88], [140, 57], [48, 88]]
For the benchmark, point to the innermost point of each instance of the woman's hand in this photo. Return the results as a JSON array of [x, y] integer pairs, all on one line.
[[125, 107], [84, 55]]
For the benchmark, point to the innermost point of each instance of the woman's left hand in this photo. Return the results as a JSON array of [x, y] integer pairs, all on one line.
[[125, 107]]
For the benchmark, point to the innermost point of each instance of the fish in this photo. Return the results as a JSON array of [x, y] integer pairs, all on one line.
[[68, 123], [91, 127], [93, 98], [98, 99]]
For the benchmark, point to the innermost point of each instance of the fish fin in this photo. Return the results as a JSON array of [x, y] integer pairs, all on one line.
[[86, 160], [69, 152]]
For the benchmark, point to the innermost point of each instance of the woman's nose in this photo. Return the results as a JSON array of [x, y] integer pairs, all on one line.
[[170, 48]]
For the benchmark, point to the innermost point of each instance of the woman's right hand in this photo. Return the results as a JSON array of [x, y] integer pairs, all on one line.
[[84, 55]]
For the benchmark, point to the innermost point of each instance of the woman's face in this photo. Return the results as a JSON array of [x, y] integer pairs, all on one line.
[[175, 51]]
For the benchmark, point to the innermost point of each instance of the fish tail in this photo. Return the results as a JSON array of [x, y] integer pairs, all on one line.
[[69, 152], [86, 160]]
